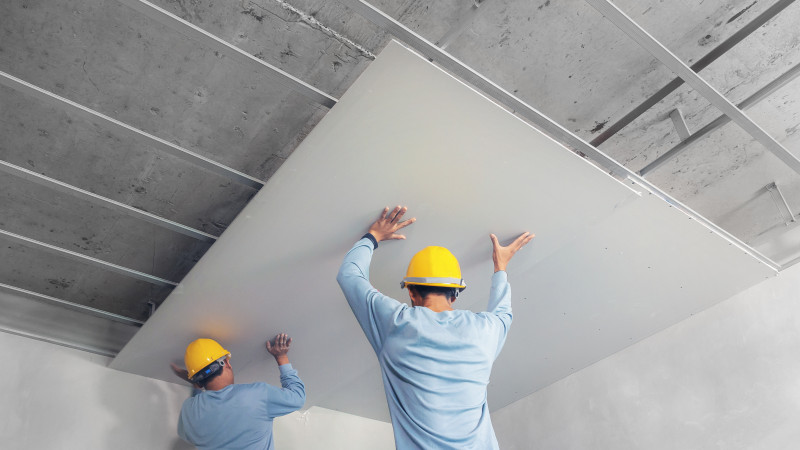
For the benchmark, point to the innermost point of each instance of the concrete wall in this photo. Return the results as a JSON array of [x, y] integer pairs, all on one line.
[[726, 378]]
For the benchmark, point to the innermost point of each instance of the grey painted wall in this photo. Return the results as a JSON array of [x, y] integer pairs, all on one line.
[[726, 378], [59, 398]]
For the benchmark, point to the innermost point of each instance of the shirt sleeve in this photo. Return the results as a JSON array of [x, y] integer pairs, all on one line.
[[500, 305], [290, 397], [373, 310]]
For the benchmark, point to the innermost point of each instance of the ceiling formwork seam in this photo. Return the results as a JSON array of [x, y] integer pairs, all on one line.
[[309, 19], [205, 38]]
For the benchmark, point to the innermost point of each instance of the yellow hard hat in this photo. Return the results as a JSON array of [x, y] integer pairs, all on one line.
[[434, 266], [202, 353]]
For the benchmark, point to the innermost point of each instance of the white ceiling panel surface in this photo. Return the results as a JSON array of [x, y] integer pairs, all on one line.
[[408, 133]]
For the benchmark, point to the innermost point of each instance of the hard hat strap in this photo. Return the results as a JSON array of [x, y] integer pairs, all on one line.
[[210, 369]]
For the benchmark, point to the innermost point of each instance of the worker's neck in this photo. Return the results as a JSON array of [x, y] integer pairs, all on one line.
[[216, 385], [224, 380], [437, 303]]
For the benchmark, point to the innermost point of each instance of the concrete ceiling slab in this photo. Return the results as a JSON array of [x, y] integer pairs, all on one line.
[[199, 100], [561, 57], [42, 272], [83, 227], [409, 132], [22, 314]]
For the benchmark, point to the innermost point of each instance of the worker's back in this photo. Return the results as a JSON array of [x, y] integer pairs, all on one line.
[[435, 362], [235, 417], [239, 416], [436, 367]]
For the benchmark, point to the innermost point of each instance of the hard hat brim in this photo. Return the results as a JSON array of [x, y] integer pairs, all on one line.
[[438, 282]]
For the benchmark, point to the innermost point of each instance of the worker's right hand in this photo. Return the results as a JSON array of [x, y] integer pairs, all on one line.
[[502, 255], [388, 224], [279, 348], [183, 374]]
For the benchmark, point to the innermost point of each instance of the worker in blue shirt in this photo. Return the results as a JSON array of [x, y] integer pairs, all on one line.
[[435, 361], [234, 416]]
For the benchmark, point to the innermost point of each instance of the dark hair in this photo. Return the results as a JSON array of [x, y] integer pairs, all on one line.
[[208, 373], [424, 291]]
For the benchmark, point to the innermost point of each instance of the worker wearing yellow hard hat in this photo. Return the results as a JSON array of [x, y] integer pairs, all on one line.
[[221, 414], [435, 360]]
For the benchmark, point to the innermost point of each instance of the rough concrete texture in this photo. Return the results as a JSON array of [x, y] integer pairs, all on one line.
[[562, 58], [73, 281], [279, 33]]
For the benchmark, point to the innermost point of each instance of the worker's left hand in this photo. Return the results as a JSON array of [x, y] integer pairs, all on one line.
[[279, 348], [388, 224]]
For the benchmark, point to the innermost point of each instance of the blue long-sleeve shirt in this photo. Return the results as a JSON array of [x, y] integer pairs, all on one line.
[[435, 366], [239, 416]]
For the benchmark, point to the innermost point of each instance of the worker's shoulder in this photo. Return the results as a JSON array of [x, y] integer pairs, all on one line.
[[250, 388]]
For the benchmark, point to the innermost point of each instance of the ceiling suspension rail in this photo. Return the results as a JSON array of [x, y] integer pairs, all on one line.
[[542, 122], [464, 72], [70, 305], [48, 97], [61, 342], [655, 48], [759, 95], [209, 40], [88, 260], [60, 186], [701, 64]]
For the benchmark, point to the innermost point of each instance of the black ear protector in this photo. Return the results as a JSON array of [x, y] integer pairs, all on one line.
[[209, 370]]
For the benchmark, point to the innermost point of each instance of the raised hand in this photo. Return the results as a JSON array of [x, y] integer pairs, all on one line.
[[182, 373], [279, 348], [388, 224], [502, 255]]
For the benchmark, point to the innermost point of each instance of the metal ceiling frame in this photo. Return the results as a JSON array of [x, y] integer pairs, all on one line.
[[542, 122], [60, 186], [88, 259], [202, 37], [701, 64], [784, 79], [71, 305], [61, 342], [207, 39], [416, 42], [475, 79], [660, 52], [158, 143]]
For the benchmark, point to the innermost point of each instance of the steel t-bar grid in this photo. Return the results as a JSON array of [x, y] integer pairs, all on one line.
[[759, 95], [209, 40], [70, 305], [66, 188], [655, 48], [701, 64], [542, 122], [24, 87], [75, 256]]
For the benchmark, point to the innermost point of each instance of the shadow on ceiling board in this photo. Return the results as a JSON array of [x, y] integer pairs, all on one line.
[[408, 133]]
